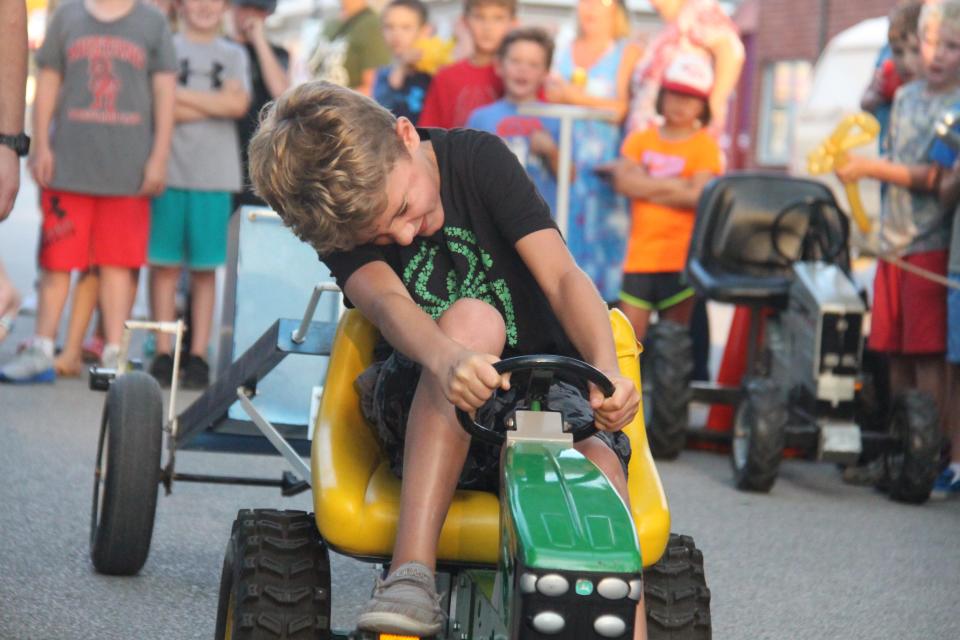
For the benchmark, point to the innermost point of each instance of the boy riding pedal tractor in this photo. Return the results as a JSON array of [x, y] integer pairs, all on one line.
[[442, 242]]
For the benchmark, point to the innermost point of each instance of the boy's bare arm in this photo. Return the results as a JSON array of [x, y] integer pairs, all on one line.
[[584, 318], [231, 101], [923, 177], [632, 181], [950, 189], [186, 113], [45, 102], [468, 378], [155, 171], [275, 77]]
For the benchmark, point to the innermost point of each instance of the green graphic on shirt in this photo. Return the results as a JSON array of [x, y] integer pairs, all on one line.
[[419, 273]]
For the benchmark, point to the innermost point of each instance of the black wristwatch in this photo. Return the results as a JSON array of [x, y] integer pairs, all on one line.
[[19, 143]]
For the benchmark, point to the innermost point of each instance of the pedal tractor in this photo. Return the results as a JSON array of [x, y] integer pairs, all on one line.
[[779, 246], [555, 555]]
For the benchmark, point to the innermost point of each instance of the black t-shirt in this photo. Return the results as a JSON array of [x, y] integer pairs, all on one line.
[[489, 204], [247, 125]]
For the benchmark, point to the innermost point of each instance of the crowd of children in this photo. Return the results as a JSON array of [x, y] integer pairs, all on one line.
[[139, 137], [920, 175]]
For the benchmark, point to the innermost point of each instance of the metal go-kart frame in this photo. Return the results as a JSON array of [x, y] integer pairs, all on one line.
[[129, 466]]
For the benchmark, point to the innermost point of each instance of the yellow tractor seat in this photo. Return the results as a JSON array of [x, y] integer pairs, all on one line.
[[357, 497]]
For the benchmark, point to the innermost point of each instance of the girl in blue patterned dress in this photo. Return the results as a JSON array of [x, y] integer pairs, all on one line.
[[595, 71]]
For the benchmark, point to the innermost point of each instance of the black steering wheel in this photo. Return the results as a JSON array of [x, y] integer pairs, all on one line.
[[825, 237], [542, 368]]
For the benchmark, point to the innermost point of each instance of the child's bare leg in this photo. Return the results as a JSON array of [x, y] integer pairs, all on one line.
[[70, 360], [203, 289], [52, 298], [436, 446], [680, 312], [930, 372], [608, 462], [118, 288], [639, 318], [952, 409], [902, 376], [9, 302], [163, 299]]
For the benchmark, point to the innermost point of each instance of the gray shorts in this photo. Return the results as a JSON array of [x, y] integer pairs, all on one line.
[[386, 391]]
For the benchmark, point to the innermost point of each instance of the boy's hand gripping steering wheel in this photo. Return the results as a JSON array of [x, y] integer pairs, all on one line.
[[542, 369]]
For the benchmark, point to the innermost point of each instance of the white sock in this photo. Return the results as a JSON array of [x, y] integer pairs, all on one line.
[[955, 467], [44, 344]]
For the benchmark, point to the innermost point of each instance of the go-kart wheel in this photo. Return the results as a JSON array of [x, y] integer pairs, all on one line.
[[911, 469], [275, 581], [127, 475], [758, 436], [543, 367], [676, 595], [666, 369]]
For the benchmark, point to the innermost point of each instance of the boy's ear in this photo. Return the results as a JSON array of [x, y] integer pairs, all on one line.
[[408, 134]]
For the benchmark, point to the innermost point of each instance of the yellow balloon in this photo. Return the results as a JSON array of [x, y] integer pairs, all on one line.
[[854, 130], [436, 52]]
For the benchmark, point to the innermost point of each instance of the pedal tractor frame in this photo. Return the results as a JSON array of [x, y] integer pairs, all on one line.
[[554, 555], [779, 246]]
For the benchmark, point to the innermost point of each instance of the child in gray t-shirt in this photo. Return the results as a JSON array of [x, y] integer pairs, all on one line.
[[189, 222], [103, 118]]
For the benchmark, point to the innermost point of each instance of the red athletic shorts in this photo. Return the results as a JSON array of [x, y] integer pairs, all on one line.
[[910, 312], [80, 230]]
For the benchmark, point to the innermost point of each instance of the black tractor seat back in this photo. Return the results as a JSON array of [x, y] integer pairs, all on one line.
[[733, 257]]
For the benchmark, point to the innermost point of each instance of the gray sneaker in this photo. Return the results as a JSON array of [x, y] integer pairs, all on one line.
[[406, 603], [30, 366]]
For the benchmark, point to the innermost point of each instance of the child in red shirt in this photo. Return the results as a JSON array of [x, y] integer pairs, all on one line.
[[460, 88]]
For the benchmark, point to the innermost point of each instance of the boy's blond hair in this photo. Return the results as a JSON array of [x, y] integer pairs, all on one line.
[[946, 12], [320, 158], [471, 5]]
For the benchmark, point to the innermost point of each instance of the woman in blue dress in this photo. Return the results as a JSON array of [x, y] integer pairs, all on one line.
[[594, 71]]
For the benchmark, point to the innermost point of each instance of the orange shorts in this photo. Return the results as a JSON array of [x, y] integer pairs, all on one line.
[[81, 230]]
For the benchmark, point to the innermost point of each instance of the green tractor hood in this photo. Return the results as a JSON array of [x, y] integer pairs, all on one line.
[[564, 514]]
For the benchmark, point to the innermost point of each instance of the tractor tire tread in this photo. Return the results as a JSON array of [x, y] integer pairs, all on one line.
[[133, 415], [911, 480], [669, 368], [676, 594], [765, 446], [280, 577]]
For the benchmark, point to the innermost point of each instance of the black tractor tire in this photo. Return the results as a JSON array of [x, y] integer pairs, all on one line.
[[759, 428], [127, 475], [873, 400], [676, 595], [667, 366], [275, 581], [911, 469]]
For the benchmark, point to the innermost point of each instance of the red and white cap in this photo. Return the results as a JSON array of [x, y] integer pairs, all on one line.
[[690, 74]]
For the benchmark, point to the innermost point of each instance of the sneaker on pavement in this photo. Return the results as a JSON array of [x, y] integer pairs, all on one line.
[[946, 485], [110, 357], [162, 369], [31, 365], [196, 373], [864, 475], [406, 603]]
